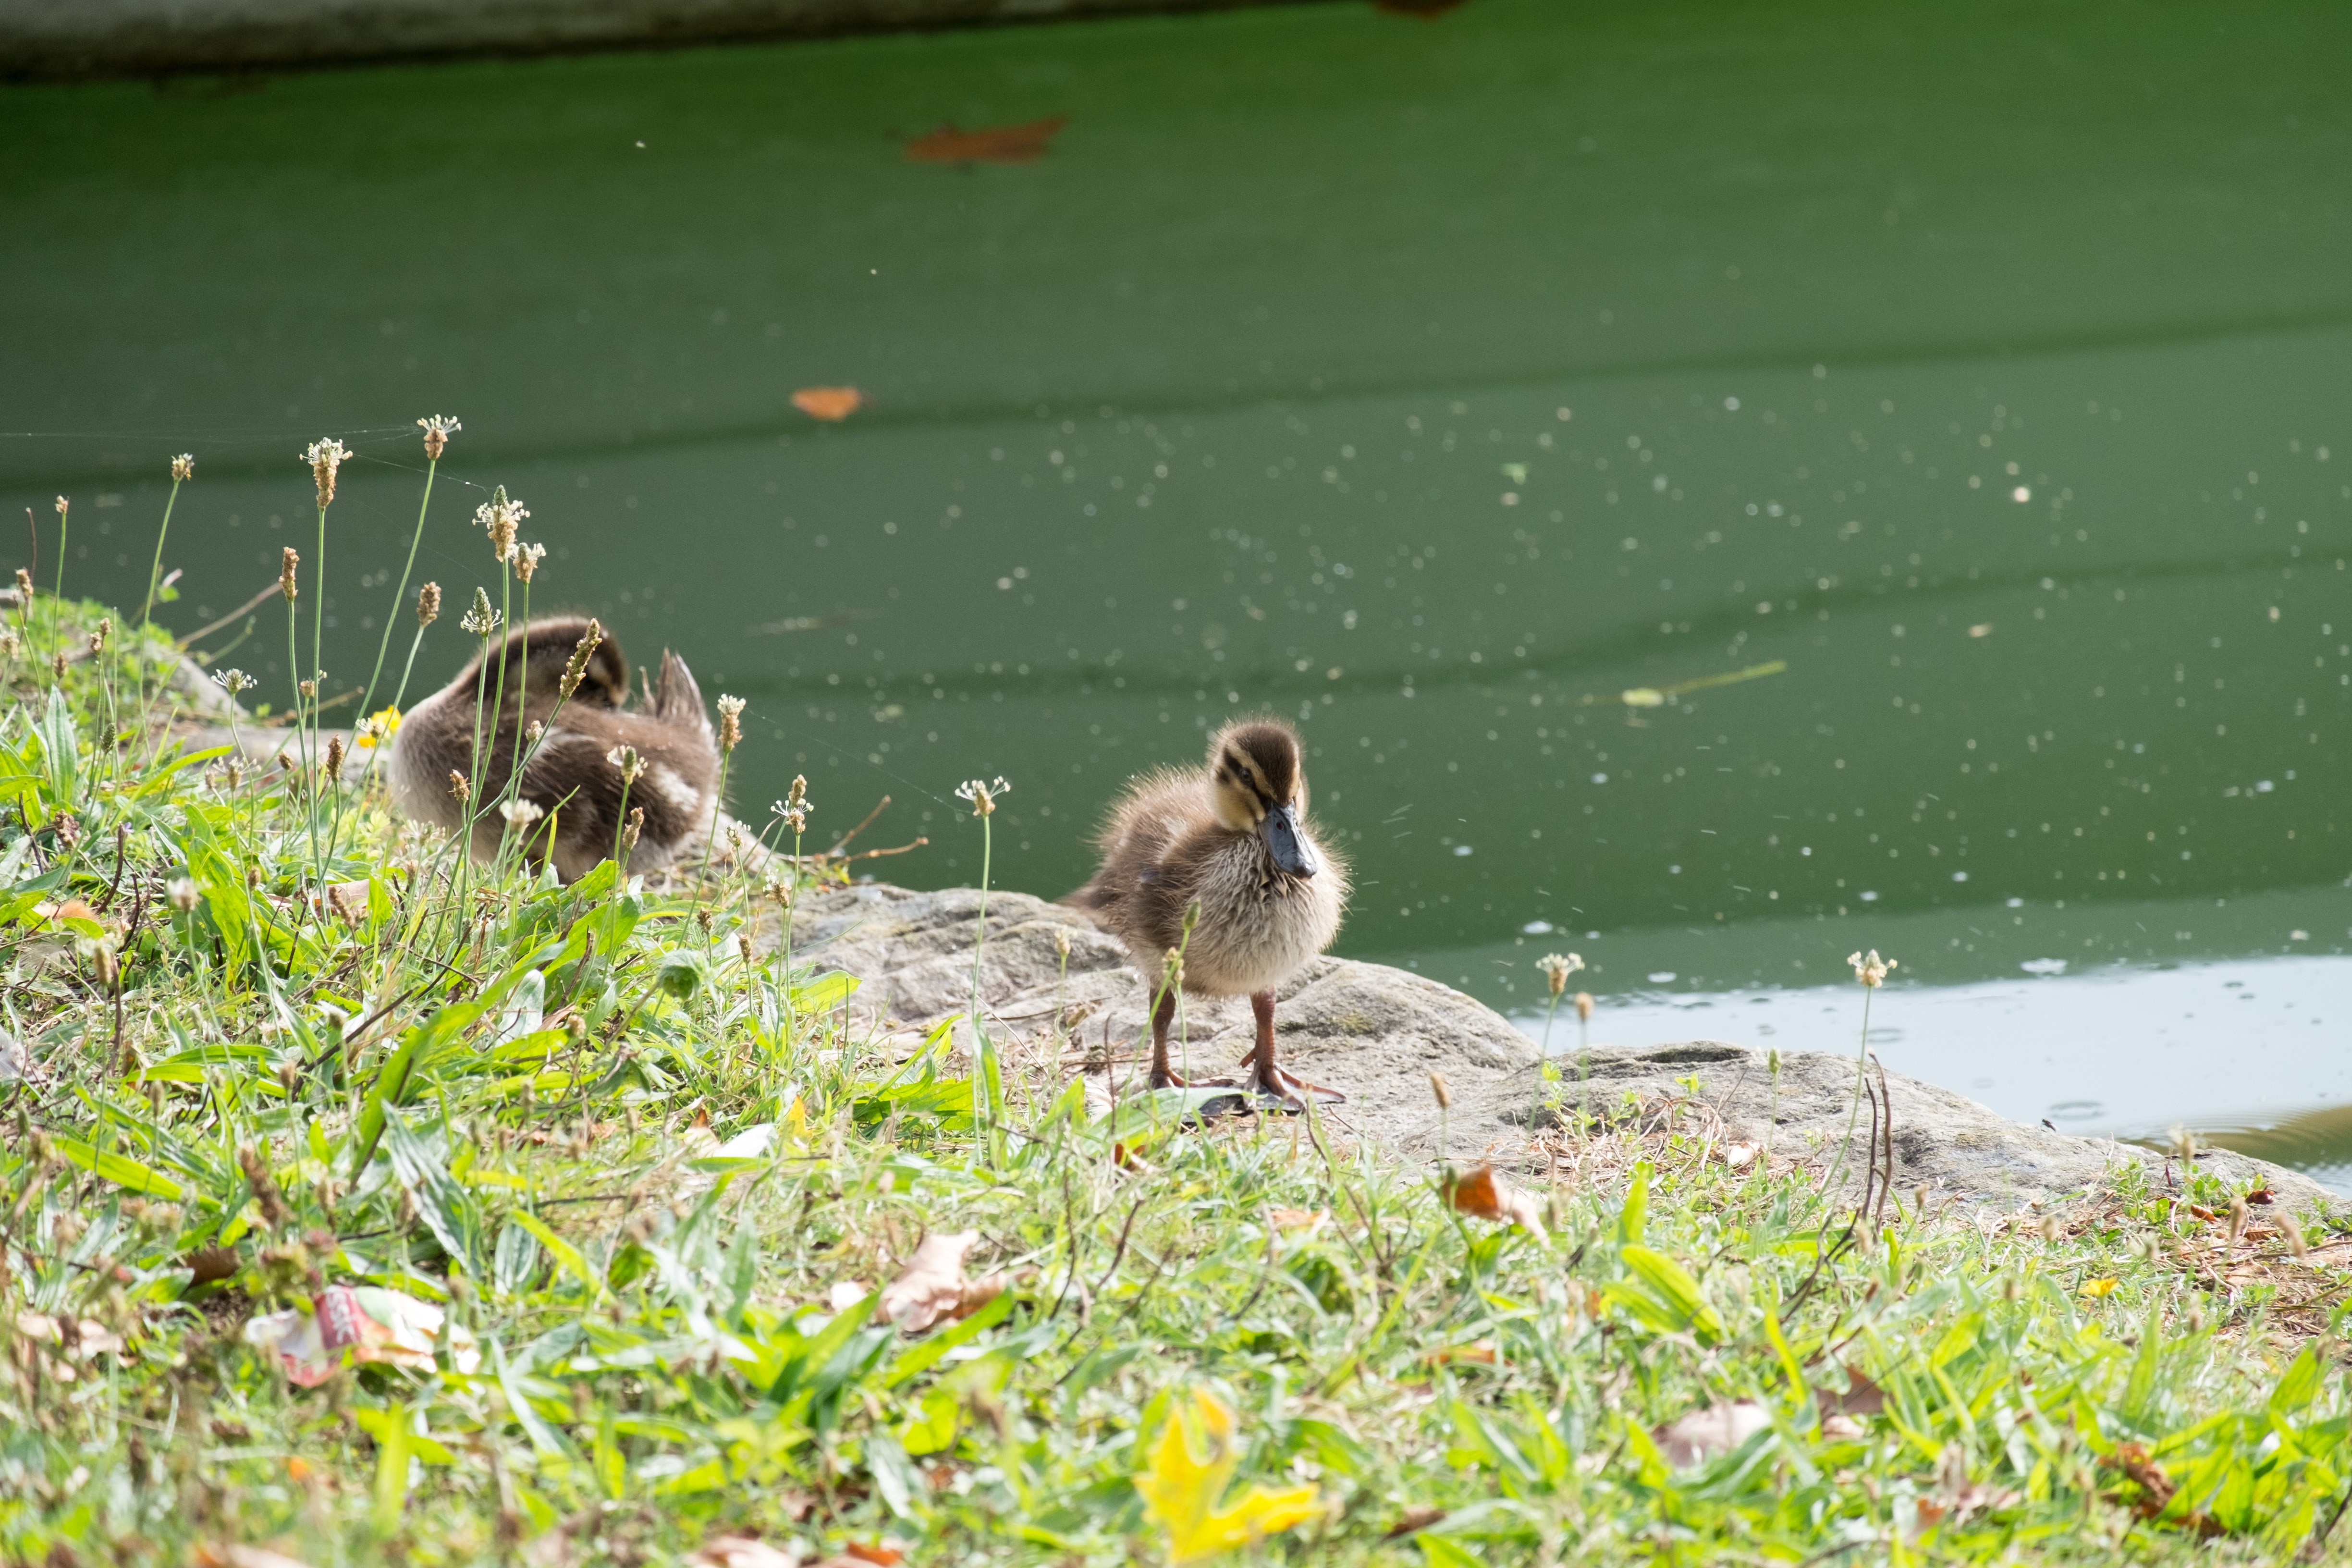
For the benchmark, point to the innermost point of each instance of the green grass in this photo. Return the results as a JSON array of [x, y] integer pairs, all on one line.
[[656, 1186]]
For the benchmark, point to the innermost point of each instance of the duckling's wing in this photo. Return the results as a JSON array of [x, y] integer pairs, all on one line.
[[1134, 894]]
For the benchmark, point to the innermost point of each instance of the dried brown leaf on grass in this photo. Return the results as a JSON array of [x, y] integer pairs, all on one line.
[[1413, 1519], [233, 1555], [349, 901], [933, 1287], [1309, 1220], [1485, 1194], [1704, 1434], [740, 1552], [1717, 1430]]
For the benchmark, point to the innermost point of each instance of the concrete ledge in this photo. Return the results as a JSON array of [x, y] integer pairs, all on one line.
[[68, 39]]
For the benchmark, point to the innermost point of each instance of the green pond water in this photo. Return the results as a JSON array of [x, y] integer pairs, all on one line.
[[1433, 383]]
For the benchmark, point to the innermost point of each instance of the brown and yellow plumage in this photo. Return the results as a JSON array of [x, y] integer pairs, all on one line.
[[1232, 839]]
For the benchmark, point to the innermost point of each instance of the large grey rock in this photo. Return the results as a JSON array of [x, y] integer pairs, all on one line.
[[1376, 1034]]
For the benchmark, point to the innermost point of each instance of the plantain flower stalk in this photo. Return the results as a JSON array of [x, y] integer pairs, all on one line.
[[325, 459], [730, 735], [437, 429], [1872, 971], [576, 668], [499, 517], [183, 468]]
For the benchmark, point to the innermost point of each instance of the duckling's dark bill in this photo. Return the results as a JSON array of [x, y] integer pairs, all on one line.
[[1289, 848]]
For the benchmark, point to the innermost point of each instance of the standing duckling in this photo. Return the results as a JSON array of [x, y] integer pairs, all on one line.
[[570, 777], [1233, 840]]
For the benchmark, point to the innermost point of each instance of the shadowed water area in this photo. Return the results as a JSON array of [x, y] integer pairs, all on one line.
[[1973, 382]]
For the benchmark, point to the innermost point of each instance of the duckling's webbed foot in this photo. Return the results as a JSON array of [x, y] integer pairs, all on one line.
[[1286, 1091], [1163, 1075], [1277, 1088]]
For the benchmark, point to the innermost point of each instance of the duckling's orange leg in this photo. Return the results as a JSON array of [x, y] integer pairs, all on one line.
[[1162, 1075], [1287, 1090]]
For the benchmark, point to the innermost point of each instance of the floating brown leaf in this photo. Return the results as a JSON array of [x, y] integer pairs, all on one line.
[[831, 403], [1704, 1434], [933, 1287], [1023, 144]]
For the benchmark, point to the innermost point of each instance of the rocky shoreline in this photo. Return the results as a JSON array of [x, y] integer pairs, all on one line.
[[1377, 1033]]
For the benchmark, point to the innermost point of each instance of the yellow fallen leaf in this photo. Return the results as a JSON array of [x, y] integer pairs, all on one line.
[[1183, 1484], [2096, 1288]]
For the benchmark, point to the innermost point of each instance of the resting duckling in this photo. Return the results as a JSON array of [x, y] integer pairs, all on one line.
[[577, 790], [1233, 840]]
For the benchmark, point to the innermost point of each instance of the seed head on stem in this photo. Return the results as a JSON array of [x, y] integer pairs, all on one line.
[[499, 517], [334, 758], [97, 637], [626, 758], [428, 605], [576, 668], [982, 795], [1584, 1006], [289, 566], [183, 890], [183, 468], [64, 506], [520, 814], [324, 458], [795, 807], [458, 789], [1557, 967], [629, 833], [24, 585], [1439, 1091], [437, 429], [233, 681], [481, 620], [1870, 969], [731, 723], [527, 558]]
